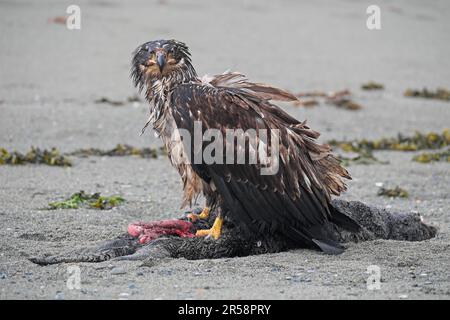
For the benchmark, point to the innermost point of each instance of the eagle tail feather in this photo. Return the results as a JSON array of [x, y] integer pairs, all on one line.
[[321, 239], [344, 221], [329, 247]]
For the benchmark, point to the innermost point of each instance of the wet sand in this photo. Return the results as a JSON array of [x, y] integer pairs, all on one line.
[[50, 78]]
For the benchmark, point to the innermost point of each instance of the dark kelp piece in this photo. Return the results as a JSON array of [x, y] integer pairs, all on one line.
[[439, 94], [340, 99], [372, 85], [396, 192], [117, 103], [345, 103], [364, 157], [50, 157], [427, 157], [418, 141], [85, 200], [120, 150]]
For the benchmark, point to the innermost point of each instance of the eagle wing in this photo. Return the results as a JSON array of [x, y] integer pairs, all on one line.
[[294, 201]]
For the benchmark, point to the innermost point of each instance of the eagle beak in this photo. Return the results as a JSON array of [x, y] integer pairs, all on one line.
[[161, 60]]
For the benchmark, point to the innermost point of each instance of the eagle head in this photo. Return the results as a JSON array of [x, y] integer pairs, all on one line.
[[161, 60]]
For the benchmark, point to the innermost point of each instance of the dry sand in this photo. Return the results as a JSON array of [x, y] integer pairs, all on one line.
[[50, 77]]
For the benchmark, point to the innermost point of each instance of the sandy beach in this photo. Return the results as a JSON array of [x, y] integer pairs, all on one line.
[[52, 76]]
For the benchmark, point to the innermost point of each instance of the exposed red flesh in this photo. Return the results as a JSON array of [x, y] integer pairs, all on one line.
[[147, 232]]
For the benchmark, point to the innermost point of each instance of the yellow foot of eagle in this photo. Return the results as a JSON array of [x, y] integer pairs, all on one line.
[[203, 215], [215, 230]]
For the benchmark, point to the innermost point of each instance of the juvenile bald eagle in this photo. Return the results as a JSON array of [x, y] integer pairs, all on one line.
[[294, 202]]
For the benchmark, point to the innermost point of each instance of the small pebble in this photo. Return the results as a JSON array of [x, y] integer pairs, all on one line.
[[100, 267], [2, 275], [302, 279], [403, 296], [123, 296], [276, 269], [118, 270], [59, 295], [131, 286]]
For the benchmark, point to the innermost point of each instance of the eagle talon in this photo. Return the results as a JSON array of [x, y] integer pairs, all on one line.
[[214, 232], [203, 215]]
